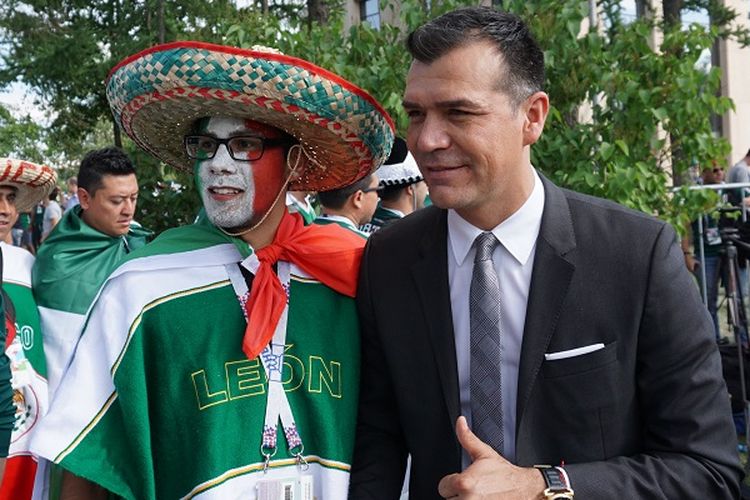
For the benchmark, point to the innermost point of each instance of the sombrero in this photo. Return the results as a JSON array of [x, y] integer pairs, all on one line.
[[32, 182], [156, 95], [400, 169]]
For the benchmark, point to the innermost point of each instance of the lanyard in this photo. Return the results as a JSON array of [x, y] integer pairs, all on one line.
[[272, 358]]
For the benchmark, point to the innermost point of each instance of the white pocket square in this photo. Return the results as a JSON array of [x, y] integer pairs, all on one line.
[[571, 353]]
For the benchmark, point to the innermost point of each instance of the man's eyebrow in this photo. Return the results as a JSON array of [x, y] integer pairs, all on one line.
[[455, 103]]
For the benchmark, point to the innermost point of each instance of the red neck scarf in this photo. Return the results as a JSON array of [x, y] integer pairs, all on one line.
[[329, 253]]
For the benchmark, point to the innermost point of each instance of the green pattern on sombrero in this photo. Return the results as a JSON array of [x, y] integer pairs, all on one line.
[[348, 132]]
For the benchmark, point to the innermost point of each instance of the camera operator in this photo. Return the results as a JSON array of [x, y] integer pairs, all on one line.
[[711, 258]]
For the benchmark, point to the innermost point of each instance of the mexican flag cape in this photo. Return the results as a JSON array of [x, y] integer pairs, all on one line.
[[28, 369], [70, 266], [161, 402]]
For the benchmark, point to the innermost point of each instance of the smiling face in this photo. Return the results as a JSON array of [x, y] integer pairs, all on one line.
[[470, 139], [8, 212], [237, 194]]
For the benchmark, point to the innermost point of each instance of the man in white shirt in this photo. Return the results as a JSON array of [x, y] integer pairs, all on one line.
[[516, 324]]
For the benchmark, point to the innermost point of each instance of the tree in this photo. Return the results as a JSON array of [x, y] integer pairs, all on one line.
[[65, 49], [632, 90], [21, 138]]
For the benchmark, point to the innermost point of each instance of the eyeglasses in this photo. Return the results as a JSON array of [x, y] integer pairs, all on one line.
[[240, 148], [370, 190]]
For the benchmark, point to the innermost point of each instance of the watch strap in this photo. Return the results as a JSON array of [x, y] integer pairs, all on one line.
[[558, 486]]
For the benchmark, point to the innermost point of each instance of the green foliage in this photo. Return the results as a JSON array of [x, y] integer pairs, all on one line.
[[21, 138], [648, 109], [167, 197], [627, 120], [65, 49]]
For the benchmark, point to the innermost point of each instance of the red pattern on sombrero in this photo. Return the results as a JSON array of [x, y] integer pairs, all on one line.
[[282, 58], [32, 182]]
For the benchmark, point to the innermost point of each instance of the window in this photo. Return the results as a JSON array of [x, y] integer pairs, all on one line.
[[369, 12]]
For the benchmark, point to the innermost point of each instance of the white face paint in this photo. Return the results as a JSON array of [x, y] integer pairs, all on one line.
[[227, 186]]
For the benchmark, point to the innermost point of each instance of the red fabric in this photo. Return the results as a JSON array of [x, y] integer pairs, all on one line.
[[10, 332], [18, 480], [329, 253]]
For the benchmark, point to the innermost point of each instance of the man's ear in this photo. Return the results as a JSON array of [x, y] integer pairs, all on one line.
[[84, 198], [356, 198], [535, 109]]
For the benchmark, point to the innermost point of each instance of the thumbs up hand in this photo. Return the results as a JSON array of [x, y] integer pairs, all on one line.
[[490, 476]]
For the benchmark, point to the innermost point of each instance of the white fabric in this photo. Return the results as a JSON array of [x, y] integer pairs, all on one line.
[[17, 264], [395, 174], [513, 260], [113, 322], [572, 353]]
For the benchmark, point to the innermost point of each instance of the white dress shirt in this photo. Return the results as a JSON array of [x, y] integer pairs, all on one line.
[[513, 260]]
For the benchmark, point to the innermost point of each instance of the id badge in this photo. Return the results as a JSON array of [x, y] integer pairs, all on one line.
[[286, 488], [712, 236]]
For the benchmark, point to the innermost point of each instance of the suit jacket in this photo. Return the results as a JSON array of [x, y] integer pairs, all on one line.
[[648, 416]]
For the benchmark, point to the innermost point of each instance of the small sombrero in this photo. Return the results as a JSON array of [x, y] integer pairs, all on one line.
[[400, 169], [156, 95], [32, 182]]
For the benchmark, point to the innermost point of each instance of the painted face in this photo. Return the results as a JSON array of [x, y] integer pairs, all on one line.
[[8, 212], [467, 136], [237, 193], [110, 209]]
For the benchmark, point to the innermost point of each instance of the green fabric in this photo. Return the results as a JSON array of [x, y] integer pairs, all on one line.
[[187, 238], [190, 404], [25, 220], [28, 329], [323, 221], [382, 217], [7, 408], [74, 261]]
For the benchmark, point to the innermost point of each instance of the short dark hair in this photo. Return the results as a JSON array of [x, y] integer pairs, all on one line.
[[53, 194], [505, 31], [748, 152], [336, 198], [100, 162], [392, 193]]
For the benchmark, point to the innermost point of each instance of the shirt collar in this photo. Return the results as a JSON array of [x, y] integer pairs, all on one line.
[[339, 218], [517, 233]]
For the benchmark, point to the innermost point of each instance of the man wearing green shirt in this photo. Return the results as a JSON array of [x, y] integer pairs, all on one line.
[[222, 360]]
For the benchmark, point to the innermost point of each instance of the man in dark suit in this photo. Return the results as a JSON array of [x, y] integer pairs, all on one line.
[[568, 333]]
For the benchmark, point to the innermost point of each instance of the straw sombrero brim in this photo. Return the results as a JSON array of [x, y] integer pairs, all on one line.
[[33, 182], [157, 95]]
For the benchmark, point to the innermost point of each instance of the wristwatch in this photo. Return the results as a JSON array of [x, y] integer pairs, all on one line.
[[558, 485]]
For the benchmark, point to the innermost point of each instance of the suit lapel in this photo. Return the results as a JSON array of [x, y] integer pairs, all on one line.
[[431, 280], [550, 279]]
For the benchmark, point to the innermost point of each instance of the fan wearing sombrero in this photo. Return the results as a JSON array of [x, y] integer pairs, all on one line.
[[222, 360], [402, 188], [23, 184]]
